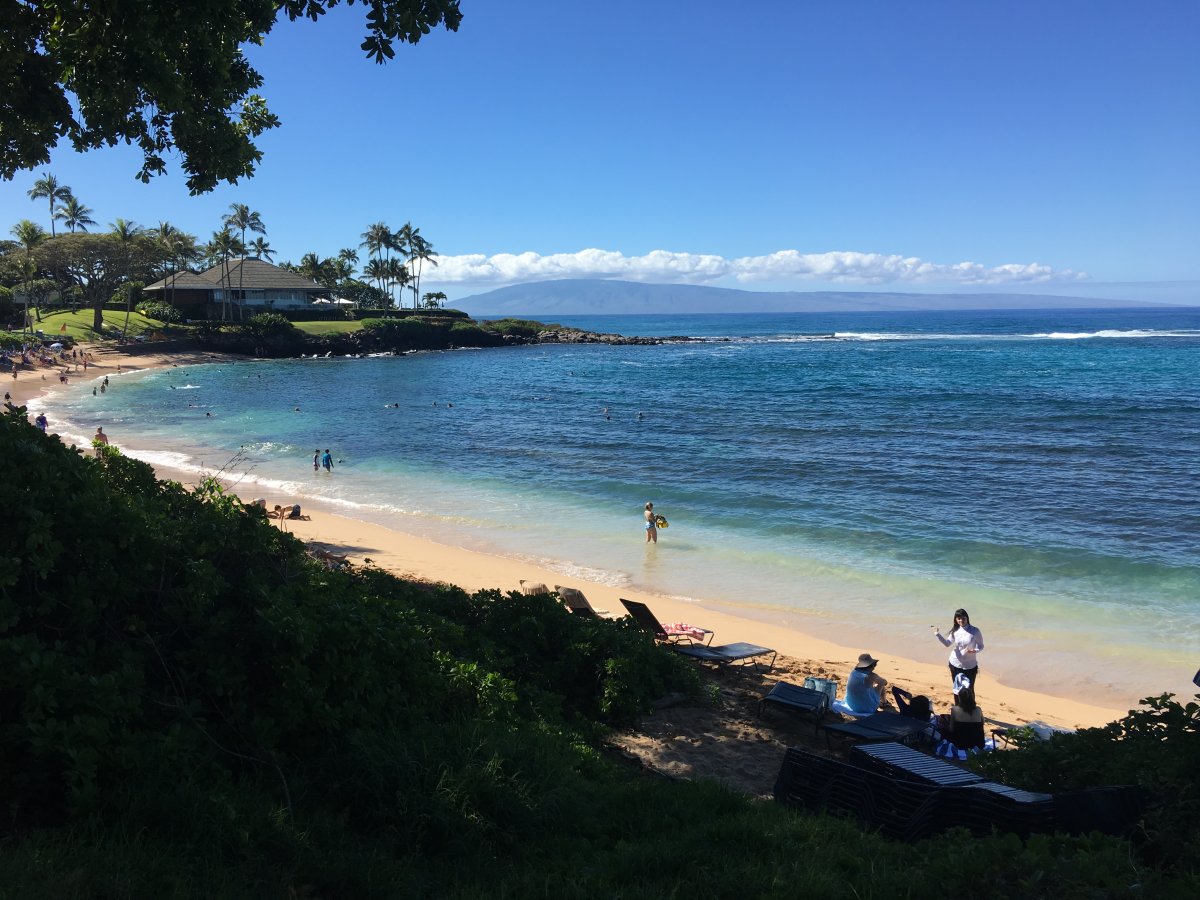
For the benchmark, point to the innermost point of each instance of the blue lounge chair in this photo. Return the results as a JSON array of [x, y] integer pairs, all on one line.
[[743, 654], [805, 701]]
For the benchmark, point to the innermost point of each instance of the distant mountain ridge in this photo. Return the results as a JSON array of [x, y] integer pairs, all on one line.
[[598, 297]]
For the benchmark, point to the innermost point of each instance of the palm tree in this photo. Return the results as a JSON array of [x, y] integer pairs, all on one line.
[[28, 235], [402, 244], [126, 232], [243, 218], [165, 235], [261, 249], [421, 252], [74, 214], [435, 298], [397, 277], [48, 186], [376, 270], [316, 269], [223, 245], [348, 256]]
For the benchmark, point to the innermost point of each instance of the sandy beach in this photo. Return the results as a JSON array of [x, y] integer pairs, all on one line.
[[417, 557]]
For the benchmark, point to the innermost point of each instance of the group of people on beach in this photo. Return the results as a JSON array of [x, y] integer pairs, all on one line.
[[865, 689]]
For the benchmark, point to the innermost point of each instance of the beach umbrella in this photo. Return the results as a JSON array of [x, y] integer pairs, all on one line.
[[344, 302], [315, 302], [56, 346]]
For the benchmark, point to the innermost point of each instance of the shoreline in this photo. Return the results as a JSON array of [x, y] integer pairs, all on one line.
[[419, 557]]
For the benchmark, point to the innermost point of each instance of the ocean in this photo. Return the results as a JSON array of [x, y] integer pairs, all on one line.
[[858, 476]]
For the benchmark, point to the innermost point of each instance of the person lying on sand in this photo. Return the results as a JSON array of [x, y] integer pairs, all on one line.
[[290, 512]]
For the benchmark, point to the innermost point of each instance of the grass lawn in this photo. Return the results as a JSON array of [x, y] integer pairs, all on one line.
[[79, 324], [334, 327]]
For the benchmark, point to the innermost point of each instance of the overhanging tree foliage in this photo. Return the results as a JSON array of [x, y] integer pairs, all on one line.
[[164, 76]]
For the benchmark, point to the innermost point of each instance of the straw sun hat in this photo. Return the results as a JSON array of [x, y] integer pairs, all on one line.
[[866, 661]]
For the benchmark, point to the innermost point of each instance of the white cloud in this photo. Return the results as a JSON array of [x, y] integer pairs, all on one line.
[[663, 266]]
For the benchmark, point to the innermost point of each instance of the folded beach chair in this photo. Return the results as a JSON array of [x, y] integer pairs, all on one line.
[[577, 603], [532, 588], [741, 653], [676, 631]]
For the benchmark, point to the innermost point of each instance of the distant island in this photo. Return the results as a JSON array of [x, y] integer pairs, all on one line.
[[599, 297]]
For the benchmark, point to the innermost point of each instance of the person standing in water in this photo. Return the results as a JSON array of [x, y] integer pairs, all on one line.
[[651, 525], [99, 439], [316, 460], [327, 460]]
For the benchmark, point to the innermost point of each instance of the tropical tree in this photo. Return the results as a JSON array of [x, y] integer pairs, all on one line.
[[348, 257], [224, 245], [322, 271], [47, 186], [376, 270], [242, 218], [435, 299], [420, 252], [94, 264], [29, 235], [261, 249], [132, 84], [74, 214], [377, 239], [127, 233], [397, 277], [179, 250]]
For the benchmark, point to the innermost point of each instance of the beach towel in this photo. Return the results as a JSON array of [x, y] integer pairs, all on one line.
[[682, 629]]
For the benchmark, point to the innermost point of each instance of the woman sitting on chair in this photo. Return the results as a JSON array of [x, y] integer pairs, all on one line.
[[966, 722], [864, 689]]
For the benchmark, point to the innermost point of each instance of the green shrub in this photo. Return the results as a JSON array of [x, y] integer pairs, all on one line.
[[267, 324], [526, 328], [472, 334], [160, 310], [1157, 747], [410, 333]]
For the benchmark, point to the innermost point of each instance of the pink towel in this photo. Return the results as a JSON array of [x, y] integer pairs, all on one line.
[[682, 629]]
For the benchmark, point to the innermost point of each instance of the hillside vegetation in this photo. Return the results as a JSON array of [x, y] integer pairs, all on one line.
[[191, 706]]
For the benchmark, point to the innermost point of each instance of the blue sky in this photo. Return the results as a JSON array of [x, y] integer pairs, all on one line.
[[783, 145]]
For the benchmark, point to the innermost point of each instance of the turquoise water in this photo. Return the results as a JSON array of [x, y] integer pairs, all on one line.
[[1038, 468]]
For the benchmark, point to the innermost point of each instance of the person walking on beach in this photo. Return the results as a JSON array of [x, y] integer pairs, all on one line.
[[40, 421], [651, 525], [327, 460], [99, 439], [965, 641]]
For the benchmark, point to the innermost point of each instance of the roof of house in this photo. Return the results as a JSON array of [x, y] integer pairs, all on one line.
[[248, 273], [181, 281]]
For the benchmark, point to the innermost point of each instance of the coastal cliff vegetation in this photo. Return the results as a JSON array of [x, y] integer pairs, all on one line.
[[193, 706]]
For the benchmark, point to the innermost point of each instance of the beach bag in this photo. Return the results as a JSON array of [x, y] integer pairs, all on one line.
[[826, 686]]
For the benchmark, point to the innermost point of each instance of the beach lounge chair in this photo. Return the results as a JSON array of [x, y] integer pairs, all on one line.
[[805, 701], [677, 631], [900, 806], [532, 588], [741, 653], [897, 759], [574, 600], [877, 727]]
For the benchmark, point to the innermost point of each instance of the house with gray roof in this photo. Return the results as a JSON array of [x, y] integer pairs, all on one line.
[[250, 283]]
